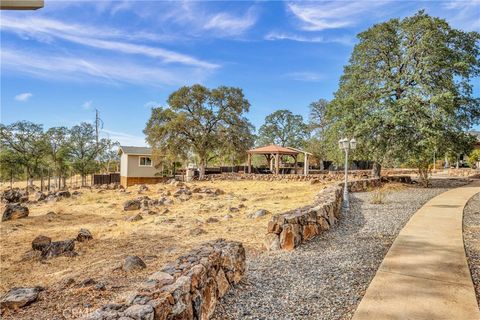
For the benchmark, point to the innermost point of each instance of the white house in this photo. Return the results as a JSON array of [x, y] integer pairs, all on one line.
[[137, 166]]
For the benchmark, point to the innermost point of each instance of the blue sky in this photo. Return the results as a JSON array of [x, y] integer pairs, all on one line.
[[61, 62]]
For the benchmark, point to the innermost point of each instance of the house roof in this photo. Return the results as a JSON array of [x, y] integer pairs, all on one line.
[[273, 148], [135, 150]]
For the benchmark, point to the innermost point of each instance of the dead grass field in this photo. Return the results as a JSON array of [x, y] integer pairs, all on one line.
[[156, 238]]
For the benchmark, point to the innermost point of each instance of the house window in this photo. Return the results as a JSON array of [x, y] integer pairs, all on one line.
[[145, 162]]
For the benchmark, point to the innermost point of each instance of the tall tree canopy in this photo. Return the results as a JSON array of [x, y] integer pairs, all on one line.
[[284, 128], [407, 90], [200, 121]]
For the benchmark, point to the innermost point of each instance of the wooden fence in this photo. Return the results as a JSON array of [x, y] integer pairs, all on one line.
[[106, 178]]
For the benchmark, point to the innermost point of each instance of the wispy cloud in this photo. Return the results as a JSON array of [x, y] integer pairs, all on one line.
[[229, 24], [87, 105], [23, 97], [305, 76], [151, 104], [47, 30], [277, 36], [125, 139], [49, 66], [316, 16], [464, 14]]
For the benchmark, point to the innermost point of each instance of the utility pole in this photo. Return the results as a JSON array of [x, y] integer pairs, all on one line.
[[97, 126]]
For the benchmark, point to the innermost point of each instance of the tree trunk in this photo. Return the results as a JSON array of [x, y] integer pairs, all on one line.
[[376, 169], [423, 173], [202, 170]]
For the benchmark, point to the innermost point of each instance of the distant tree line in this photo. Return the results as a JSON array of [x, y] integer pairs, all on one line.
[[30, 152]]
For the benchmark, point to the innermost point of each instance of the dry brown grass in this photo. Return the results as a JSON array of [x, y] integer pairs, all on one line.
[[156, 238]]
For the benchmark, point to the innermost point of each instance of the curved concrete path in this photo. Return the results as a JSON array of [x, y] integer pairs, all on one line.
[[425, 274]]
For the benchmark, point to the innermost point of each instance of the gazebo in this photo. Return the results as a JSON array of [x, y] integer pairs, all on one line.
[[273, 152]]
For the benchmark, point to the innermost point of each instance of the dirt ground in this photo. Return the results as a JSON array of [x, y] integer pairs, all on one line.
[[157, 239]]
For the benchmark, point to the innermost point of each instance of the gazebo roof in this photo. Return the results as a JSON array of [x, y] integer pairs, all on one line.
[[273, 149]]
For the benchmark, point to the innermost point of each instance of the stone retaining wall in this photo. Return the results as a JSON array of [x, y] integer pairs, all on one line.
[[289, 229], [189, 288], [326, 176]]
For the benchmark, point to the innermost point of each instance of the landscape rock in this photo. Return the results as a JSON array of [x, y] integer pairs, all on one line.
[[258, 214], [57, 248], [63, 194], [140, 312], [142, 188], [130, 205], [227, 217], [40, 242], [134, 218], [17, 298], [133, 263], [14, 211], [84, 235], [12, 195], [197, 232], [40, 196], [211, 220]]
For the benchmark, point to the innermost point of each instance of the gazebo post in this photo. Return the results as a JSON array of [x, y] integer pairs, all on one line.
[[305, 165], [277, 163], [249, 163]]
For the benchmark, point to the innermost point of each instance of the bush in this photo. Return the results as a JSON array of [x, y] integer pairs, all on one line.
[[378, 196]]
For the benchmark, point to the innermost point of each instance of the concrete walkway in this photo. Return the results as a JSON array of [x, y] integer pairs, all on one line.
[[425, 274]]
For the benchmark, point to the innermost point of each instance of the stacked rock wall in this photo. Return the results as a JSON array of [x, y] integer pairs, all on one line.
[[324, 176], [189, 288], [290, 229]]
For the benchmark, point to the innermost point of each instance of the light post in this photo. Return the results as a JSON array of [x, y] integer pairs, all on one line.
[[346, 145]]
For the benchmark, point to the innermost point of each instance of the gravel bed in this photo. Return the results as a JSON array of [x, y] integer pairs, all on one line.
[[471, 238], [327, 277]]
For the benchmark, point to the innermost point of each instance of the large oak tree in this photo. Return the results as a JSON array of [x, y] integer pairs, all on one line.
[[406, 91], [202, 122]]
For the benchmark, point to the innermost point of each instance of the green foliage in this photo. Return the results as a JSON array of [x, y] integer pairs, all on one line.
[[10, 165], [283, 128], [83, 148], [406, 92], [474, 158], [25, 146], [26, 143], [201, 123]]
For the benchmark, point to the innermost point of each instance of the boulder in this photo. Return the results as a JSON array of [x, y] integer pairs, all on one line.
[[14, 211], [84, 235], [17, 298], [140, 312], [142, 188], [211, 220], [41, 242], [63, 194], [133, 263], [258, 214], [12, 195], [40, 196], [134, 218], [272, 242], [130, 205], [197, 232], [290, 237], [57, 248], [161, 278]]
